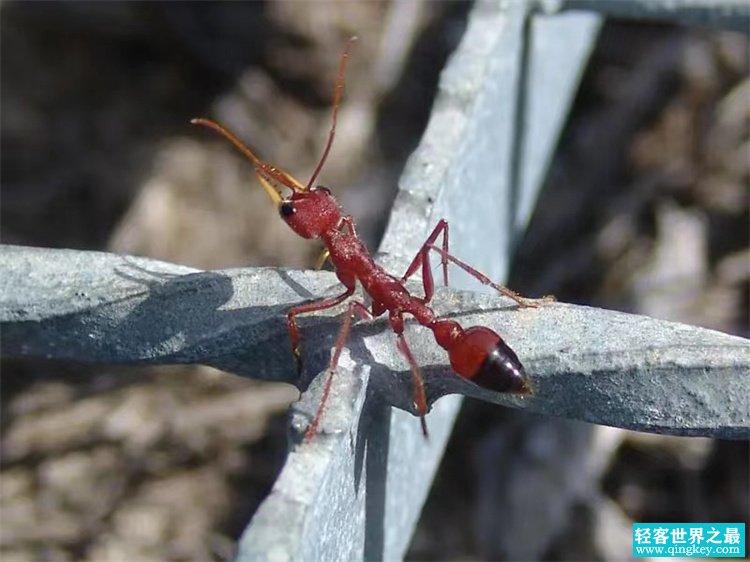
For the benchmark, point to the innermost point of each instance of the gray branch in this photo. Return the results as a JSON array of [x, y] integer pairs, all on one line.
[[733, 15], [586, 363]]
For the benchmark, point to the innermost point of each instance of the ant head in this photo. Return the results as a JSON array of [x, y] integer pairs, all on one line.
[[310, 213]]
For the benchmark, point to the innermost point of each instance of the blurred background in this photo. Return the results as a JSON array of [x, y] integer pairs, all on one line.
[[645, 210]]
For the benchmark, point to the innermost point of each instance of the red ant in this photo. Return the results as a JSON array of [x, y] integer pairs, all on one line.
[[477, 353]]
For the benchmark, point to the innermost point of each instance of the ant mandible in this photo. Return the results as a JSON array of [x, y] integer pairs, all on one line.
[[477, 353]]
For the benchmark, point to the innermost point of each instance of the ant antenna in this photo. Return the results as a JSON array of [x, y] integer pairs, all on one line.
[[230, 137], [338, 89], [263, 170]]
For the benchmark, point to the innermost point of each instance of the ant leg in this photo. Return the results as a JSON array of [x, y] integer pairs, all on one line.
[[354, 307], [304, 309], [422, 259], [322, 259], [523, 302], [420, 398], [348, 221]]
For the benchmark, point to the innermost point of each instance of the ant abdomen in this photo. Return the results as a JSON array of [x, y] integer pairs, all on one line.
[[481, 356]]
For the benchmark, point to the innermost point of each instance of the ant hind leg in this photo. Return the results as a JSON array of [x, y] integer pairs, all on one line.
[[484, 280], [423, 259]]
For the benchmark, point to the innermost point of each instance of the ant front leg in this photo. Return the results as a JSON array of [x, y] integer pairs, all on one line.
[[307, 308], [322, 259], [354, 307]]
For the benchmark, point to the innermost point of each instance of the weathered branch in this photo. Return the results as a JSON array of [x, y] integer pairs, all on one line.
[[587, 364]]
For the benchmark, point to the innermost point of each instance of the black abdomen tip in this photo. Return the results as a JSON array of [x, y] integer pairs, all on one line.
[[502, 371]]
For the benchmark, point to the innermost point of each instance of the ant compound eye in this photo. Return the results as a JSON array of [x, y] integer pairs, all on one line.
[[286, 209], [323, 189]]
